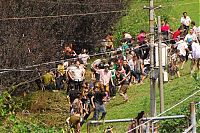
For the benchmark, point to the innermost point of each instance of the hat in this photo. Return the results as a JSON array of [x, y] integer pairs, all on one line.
[[93, 78], [111, 66], [106, 65]]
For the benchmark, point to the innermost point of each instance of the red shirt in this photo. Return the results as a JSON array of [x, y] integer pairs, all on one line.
[[176, 34], [165, 27], [141, 37]]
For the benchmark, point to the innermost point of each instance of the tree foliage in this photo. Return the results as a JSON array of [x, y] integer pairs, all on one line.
[[28, 41]]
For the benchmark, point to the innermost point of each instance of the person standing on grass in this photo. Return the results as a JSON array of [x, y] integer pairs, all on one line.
[[105, 78], [189, 39], [127, 37], [77, 75], [127, 69], [98, 103], [183, 48], [195, 55], [112, 86], [124, 48], [165, 29], [84, 57], [176, 35], [141, 37], [185, 21], [137, 68], [49, 80]]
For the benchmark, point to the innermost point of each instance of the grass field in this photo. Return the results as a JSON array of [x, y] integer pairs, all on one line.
[[174, 91], [137, 18], [139, 96]]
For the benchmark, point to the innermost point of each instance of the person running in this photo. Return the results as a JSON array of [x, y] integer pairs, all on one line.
[[122, 83], [183, 48], [127, 69]]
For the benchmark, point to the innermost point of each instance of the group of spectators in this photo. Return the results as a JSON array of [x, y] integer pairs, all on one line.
[[125, 65]]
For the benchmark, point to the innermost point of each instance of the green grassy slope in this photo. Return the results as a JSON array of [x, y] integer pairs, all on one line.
[[174, 91], [137, 18]]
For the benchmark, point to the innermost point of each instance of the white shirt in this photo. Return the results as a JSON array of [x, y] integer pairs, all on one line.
[[127, 35], [84, 58], [131, 64], [195, 50], [182, 46], [77, 73], [195, 30], [186, 21], [96, 63], [190, 37], [105, 77]]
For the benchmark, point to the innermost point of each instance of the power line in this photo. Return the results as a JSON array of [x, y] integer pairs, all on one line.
[[76, 3], [58, 61], [67, 15], [181, 4], [79, 14], [167, 110], [59, 16]]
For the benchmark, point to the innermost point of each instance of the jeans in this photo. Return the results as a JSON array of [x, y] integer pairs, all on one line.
[[99, 109], [78, 85], [59, 83], [112, 90], [137, 75], [50, 87]]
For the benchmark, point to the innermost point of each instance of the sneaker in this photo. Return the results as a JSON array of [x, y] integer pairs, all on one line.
[[114, 97]]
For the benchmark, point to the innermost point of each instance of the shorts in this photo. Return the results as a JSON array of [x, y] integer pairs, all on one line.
[[105, 87], [74, 120], [124, 88], [182, 58]]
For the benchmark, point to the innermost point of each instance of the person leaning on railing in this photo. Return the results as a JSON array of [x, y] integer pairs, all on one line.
[[49, 80]]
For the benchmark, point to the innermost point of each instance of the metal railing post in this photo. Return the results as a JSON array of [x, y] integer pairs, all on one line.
[[193, 117], [88, 127], [148, 128]]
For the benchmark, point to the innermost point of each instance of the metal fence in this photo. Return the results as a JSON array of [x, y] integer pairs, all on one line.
[[152, 120]]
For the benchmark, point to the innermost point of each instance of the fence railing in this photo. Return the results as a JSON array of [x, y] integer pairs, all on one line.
[[110, 121], [139, 130]]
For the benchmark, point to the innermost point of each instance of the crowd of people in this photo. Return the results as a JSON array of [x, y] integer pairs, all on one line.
[[124, 66]]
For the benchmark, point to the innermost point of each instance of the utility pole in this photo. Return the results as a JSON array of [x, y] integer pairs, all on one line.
[[152, 81], [160, 66]]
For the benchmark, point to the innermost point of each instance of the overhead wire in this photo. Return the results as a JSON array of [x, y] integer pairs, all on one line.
[[62, 60], [61, 16], [66, 15], [79, 14], [74, 3], [71, 59]]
